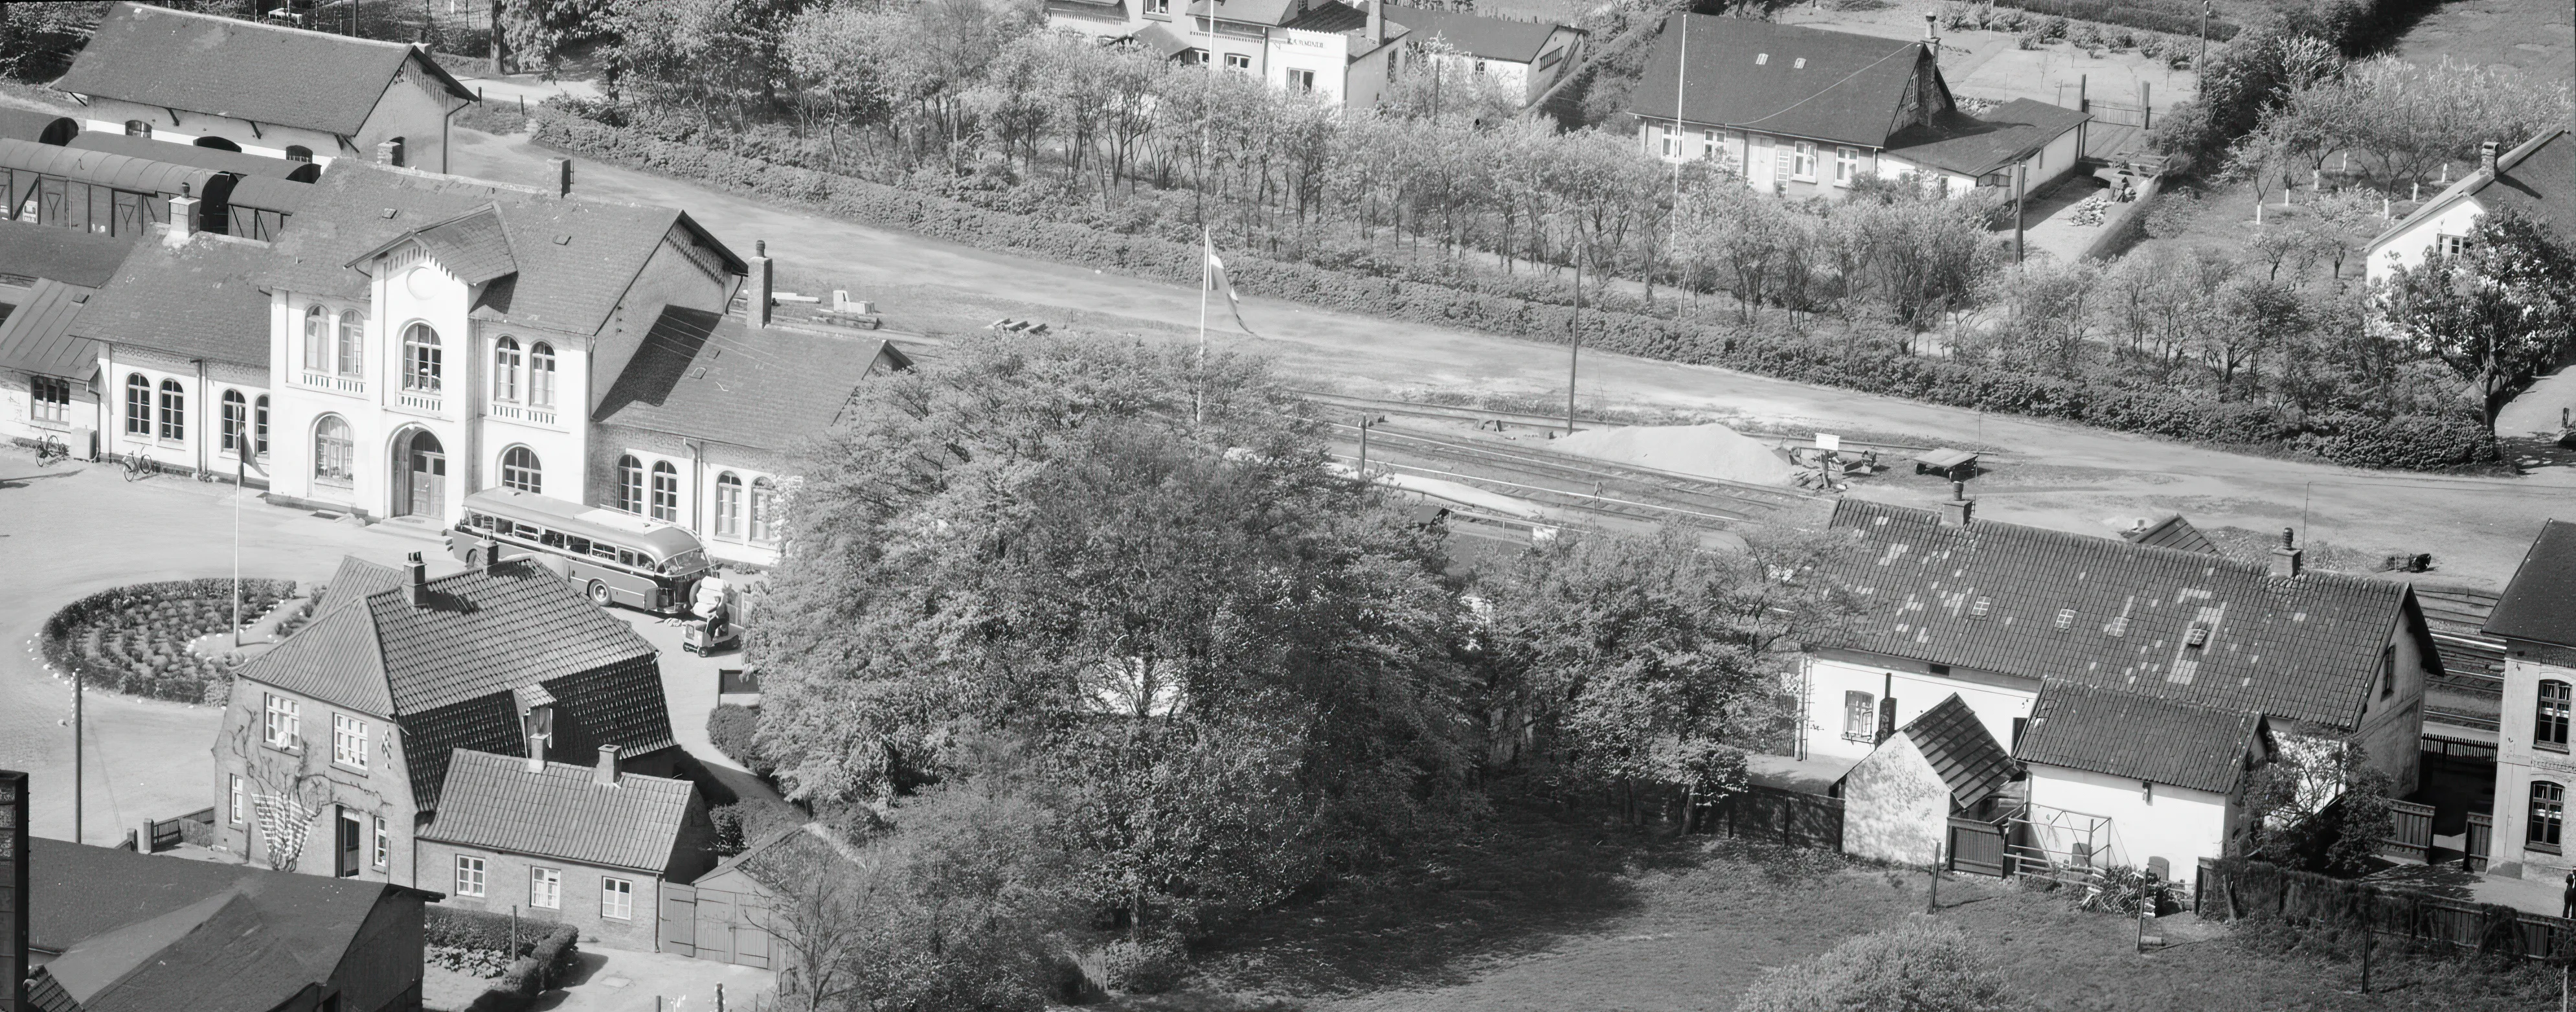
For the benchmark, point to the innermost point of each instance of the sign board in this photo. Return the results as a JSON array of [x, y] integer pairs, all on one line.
[[13, 890], [1829, 441]]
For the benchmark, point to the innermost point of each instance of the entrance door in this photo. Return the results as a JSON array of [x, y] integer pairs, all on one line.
[[426, 484], [351, 833]]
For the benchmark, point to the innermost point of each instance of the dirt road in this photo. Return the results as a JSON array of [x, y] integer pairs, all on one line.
[[2071, 477]]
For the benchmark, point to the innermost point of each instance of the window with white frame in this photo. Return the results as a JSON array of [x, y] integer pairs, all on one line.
[[423, 359], [236, 422], [505, 370], [331, 451], [1672, 142], [49, 398], [1158, 6], [666, 492], [545, 888], [259, 427], [138, 405], [174, 411], [764, 510], [1860, 716], [384, 843], [617, 898], [1301, 81], [519, 470], [1239, 61], [317, 338], [284, 726], [1708, 147], [1802, 163], [630, 484], [541, 375], [2453, 245], [236, 800], [353, 330], [469, 875], [1846, 166], [348, 741], [728, 506]]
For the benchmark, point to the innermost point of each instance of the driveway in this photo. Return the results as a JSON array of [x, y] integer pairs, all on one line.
[[70, 530]]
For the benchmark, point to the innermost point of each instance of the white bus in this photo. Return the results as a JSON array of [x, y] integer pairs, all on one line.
[[616, 558]]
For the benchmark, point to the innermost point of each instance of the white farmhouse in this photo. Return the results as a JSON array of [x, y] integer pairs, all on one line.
[[2536, 178], [2162, 778]]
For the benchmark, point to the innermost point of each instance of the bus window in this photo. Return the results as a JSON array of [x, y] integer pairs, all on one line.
[[553, 539], [578, 546], [525, 532], [625, 558], [603, 550]]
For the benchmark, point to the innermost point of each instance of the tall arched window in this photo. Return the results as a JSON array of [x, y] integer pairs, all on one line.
[[519, 470], [630, 484], [505, 370], [174, 410], [541, 375], [317, 339], [298, 153], [353, 331], [331, 451], [236, 422], [2550, 727], [421, 358], [764, 510], [137, 128], [259, 427], [138, 405], [728, 506], [2548, 813], [666, 492]]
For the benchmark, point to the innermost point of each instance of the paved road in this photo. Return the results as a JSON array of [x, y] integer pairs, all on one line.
[[69, 530], [2075, 478]]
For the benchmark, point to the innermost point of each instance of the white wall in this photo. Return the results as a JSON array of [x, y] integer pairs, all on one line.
[[1995, 702], [1895, 806], [2178, 824], [2407, 248], [2518, 763], [1325, 54]]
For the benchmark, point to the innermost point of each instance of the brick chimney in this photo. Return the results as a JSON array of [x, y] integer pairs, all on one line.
[[2286, 558], [1376, 22], [760, 289], [606, 775], [419, 581], [1960, 509], [2487, 157], [494, 556], [559, 170], [183, 217], [388, 153], [1932, 35]]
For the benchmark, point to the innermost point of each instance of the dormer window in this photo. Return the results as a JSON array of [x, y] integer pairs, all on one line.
[[421, 359], [2197, 638]]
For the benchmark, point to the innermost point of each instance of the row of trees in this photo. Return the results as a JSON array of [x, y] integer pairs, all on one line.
[[2401, 120], [1123, 659]]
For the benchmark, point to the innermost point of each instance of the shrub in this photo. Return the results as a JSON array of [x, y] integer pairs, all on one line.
[[542, 953], [1921, 965], [134, 639], [2172, 16], [1152, 966], [732, 727], [751, 820], [2414, 443]]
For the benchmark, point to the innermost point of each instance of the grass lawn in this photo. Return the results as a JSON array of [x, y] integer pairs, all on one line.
[[2534, 36], [1540, 915]]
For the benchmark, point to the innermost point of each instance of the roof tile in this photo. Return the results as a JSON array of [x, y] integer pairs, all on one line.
[[1780, 79], [496, 802], [242, 69], [1959, 748], [2124, 734], [708, 376], [2540, 604]]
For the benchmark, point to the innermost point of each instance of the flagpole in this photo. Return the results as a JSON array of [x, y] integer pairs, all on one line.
[[1207, 279]]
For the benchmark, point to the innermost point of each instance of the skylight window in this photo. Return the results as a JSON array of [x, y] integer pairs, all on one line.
[[1761, 58], [2197, 637], [1979, 609], [1798, 64], [2066, 618]]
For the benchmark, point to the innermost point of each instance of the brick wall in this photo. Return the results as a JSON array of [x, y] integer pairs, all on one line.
[[506, 881]]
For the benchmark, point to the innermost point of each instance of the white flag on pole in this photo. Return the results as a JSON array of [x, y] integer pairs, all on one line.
[[1217, 282]]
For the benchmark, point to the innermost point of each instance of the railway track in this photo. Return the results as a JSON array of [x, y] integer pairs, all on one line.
[[1895, 451], [1565, 481]]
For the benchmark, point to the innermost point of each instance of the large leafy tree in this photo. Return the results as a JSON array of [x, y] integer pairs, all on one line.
[[2497, 312], [1228, 665]]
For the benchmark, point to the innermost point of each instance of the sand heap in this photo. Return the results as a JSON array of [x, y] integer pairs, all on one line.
[[1707, 451]]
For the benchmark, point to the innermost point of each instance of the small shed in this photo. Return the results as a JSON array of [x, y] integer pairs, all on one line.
[[1898, 801], [733, 913], [2168, 777]]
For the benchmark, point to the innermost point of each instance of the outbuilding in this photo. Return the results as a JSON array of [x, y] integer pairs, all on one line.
[[2159, 778], [1898, 801]]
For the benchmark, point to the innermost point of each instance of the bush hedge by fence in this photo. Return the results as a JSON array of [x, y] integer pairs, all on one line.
[[2239, 887], [134, 639], [2171, 18], [540, 953], [1770, 348]]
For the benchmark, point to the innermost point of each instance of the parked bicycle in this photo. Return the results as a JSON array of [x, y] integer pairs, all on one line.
[[139, 466], [51, 451]]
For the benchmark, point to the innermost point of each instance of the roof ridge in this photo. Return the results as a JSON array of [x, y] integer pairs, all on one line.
[[2092, 541], [281, 29]]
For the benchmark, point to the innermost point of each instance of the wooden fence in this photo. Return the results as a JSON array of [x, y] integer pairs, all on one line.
[[2481, 837], [2295, 896], [197, 827], [1790, 817], [1978, 846], [2410, 831]]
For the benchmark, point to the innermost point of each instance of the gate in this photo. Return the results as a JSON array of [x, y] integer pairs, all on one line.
[[679, 926], [2410, 831], [1977, 846], [2134, 114]]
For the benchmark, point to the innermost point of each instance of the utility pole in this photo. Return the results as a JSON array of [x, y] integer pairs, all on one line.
[[241, 449], [2021, 193], [79, 781], [1574, 347], [2200, 63]]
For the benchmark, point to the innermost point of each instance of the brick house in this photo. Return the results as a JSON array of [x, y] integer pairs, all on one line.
[[1804, 112], [265, 89], [110, 930], [2536, 619], [335, 744], [589, 846]]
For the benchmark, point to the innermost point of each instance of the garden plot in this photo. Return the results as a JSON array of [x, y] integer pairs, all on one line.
[[1990, 65], [137, 639]]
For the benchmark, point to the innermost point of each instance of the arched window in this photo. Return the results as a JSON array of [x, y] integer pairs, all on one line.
[[541, 375], [236, 422], [505, 370], [331, 451], [353, 330], [2550, 729], [174, 410], [2548, 813], [630, 485], [764, 510], [317, 339], [666, 492], [216, 143], [138, 405], [728, 506], [421, 358], [519, 470], [298, 153], [137, 128], [259, 427]]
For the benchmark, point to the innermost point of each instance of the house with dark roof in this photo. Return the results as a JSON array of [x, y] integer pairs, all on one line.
[[1898, 800], [2534, 771], [2167, 777], [1950, 604], [593, 846], [1524, 57], [267, 89], [1344, 51], [336, 743], [2172, 532], [49, 378], [2536, 178], [1805, 112], [179, 339], [110, 930]]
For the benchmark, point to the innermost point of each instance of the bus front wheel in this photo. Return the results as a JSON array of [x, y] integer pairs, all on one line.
[[473, 558], [599, 593]]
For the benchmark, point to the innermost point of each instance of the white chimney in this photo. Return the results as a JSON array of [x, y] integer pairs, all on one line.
[[536, 752], [419, 581], [388, 153], [606, 774], [183, 216], [1932, 34], [1376, 22]]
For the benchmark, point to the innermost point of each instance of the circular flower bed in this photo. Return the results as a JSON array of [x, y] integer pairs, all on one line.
[[135, 639]]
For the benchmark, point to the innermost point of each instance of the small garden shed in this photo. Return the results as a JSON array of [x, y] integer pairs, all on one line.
[[1898, 801]]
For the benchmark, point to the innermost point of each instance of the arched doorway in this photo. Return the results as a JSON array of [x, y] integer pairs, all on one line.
[[217, 143], [420, 476]]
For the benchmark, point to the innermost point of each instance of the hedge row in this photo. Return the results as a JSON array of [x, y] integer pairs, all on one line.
[[541, 953], [2170, 18], [1767, 349], [2247, 888]]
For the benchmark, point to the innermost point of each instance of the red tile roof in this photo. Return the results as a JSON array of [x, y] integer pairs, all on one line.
[[2124, 734], [708, 376], [496, 803], [2099, 611], [244, 69], [1957, 745], [1780, 79]]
